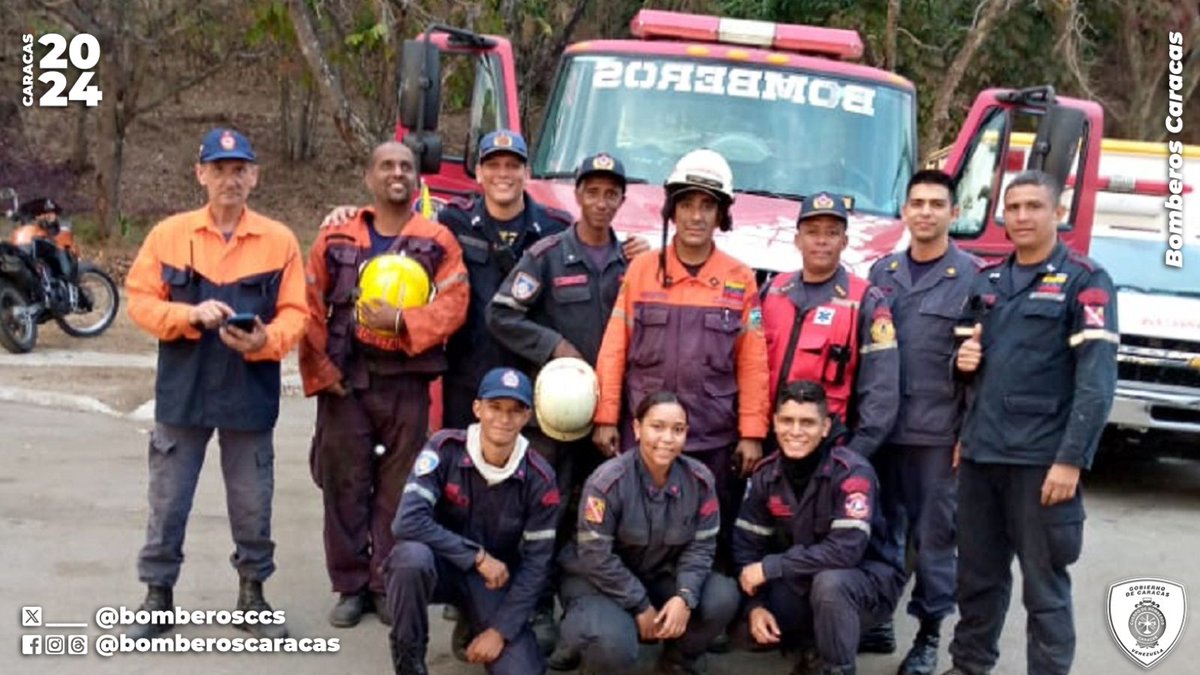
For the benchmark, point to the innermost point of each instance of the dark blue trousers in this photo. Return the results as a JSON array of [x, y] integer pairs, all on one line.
[[831, 609], [416, 578], [1000, 515], [176, 456], [917, 497], [606, 634]]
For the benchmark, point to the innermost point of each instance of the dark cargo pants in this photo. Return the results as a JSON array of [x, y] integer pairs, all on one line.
[[999, 515], [361, 490], [176, 455]]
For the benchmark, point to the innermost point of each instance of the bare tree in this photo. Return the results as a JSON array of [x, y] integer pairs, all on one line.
[[889, 38]]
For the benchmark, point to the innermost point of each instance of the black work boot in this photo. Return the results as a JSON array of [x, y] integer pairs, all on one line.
[[382, 609], [250, 599], [348, 610], [808, 662], [878, 640], [923, 655], [564, 658], [158, 598], [408, 659], [460, 637], [671, 661]]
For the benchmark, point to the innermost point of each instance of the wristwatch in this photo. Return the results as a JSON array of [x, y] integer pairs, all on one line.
[[688, 597]]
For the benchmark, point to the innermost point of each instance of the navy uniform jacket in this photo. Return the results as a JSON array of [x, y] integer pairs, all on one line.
[[835, 524], [629, 530], [926, 314], [449, 507], [555, 292], [1044, 388], [471, 352]]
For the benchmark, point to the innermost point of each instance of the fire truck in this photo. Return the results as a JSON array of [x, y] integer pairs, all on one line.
[[787, 105]]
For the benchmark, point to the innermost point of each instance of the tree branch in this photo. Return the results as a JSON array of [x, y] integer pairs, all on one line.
[[73, 15]]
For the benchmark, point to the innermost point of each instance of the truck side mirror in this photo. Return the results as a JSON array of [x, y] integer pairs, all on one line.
[[427, 147], [1057, 142], [420, 85]]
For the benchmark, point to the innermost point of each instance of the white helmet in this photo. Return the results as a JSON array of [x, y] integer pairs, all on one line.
[[703, 169], [565, 397]]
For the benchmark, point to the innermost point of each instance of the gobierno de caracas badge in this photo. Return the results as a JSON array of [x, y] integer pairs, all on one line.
[[1146, 617]]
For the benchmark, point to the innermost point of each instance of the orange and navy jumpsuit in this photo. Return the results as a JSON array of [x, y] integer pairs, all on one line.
[[387, 380], [202, 385], [699, 337]]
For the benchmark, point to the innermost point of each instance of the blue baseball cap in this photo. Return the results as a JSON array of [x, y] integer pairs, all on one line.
[[506, 383], [603, 164], [503, 140], [225, 144], [825, 204]]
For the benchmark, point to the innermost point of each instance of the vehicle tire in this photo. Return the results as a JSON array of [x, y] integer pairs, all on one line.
[[18, 330], [99, 301]]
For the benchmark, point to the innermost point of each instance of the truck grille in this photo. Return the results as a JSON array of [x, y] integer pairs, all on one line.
[[1159, 360]]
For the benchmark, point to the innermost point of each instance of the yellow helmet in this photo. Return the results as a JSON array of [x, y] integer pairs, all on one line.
[[395, 279], [565, 397]]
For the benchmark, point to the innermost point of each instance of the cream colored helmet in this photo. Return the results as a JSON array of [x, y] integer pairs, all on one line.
[[565, 397], [702, 169]]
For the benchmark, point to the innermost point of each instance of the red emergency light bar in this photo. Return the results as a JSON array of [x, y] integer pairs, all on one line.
[[837, 43]]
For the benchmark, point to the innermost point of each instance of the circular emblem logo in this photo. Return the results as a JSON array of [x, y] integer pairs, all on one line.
[[1147, 623], [823, 201], [602, 163], [227, 141], [510, 379], [503, 141]]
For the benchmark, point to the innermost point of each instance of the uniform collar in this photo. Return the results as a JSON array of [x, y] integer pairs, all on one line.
[[950, 266], [248, 223], [837, 286], [679, 274], [573, 248], [1052, 264], [672, 488]]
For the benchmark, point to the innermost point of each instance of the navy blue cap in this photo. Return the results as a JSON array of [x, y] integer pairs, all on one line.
[[601, 163], [825, 204], [503, 140], [506, 383], [225, 144]]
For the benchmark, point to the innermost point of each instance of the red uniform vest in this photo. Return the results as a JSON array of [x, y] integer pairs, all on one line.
[[827, 348]]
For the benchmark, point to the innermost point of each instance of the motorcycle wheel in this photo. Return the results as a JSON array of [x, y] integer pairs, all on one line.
[[98, 303], [18, 329]]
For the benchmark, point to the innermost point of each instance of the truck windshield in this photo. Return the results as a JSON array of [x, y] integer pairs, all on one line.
[[784, 131], [1137, 264]]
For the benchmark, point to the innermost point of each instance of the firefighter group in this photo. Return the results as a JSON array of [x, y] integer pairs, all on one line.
[[638, 445]]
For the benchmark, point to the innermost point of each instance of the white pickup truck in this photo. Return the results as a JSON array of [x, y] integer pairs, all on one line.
[[1157, 405]]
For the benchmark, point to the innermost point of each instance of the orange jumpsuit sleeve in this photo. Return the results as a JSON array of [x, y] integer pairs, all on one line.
[[431, 325], [610, 363], [317, 370], [753, 376], [149, 304], [291, 311]]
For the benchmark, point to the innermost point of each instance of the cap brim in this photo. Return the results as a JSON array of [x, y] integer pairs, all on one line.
[[579, 178], [492, 396], [524, 157], [824, 212], [231, 154]]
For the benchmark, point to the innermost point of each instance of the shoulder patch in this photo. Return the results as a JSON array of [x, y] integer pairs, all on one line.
[[524, 286], [540, 247], [593, 510], [426, 462], [856, 484]]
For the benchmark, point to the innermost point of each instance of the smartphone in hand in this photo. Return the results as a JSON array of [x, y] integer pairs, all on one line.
[[243, 321]]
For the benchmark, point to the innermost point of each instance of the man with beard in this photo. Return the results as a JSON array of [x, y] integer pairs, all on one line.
[[370, 366]]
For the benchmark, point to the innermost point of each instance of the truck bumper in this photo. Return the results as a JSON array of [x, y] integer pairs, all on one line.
[[1146, 407]]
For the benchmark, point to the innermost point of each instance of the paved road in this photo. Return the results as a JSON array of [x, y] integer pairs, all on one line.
[[72, 516]]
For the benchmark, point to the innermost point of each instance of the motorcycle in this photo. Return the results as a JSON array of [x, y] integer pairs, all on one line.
[[43, 279]]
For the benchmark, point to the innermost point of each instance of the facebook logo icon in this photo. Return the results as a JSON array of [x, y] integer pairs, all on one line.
[[31, 644]]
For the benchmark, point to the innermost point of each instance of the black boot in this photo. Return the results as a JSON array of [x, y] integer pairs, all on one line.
[[158, 598], [348, 610], [808, 662], [878, 640], [250, 599], [408, 659], [563, 658], [923, 655], [382, 609], [672, 662]]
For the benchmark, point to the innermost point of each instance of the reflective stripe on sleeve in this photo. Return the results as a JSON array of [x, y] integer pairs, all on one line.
[[421, 491], [851, 523], [1094, 334], [751, 527]]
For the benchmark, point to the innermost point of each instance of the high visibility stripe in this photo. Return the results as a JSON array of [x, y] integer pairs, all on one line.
[[456, 279], [707, 534], [845, 302], [509, 302], [1094, 334], [964, 331], [588, 535], [756, 529], [867, 349], [851, 523], [538, 535], [421, 491]]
